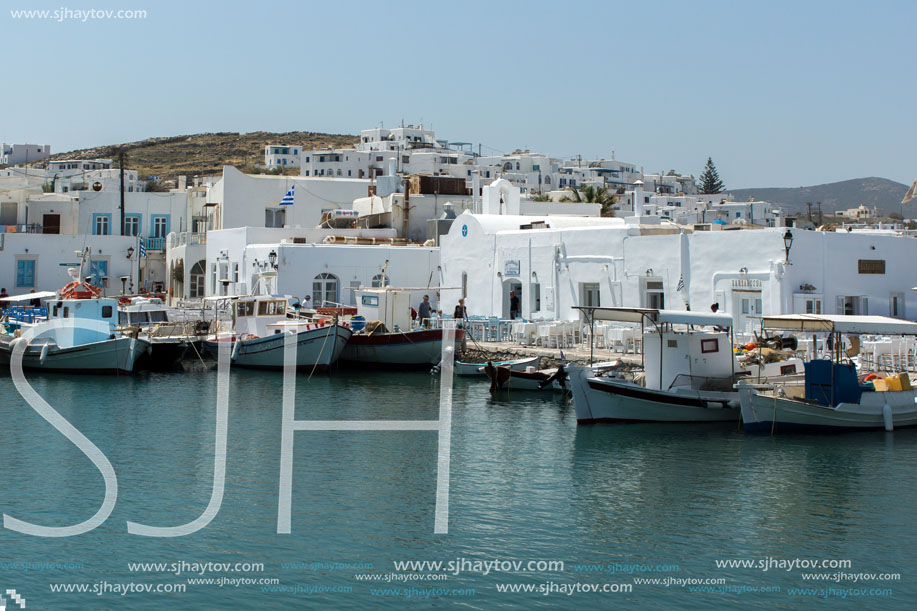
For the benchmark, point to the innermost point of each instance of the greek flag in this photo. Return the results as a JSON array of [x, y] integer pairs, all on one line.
[[142, 248], [288, 198], [681, 284]]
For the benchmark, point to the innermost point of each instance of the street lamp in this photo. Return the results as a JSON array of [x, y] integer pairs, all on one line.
[[272, 257], [787, 244], [130, 256]]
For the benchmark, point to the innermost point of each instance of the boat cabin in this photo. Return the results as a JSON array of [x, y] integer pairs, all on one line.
[[95, 320], [391, 306], [260, 315], [143, 312], [680, 348]]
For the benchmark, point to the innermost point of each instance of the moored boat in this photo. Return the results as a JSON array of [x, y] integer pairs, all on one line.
[[78, 337], [687, 375], [387, 338], [149, 318], [261, 326], [833, 398], [477, 369], [503, 377]]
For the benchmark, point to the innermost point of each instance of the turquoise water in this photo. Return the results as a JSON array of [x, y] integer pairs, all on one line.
[[527, 484]]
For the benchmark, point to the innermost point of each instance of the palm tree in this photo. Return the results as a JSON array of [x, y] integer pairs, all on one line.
[[593, 195]]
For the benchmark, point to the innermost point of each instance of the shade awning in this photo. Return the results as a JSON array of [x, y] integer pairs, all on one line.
[[29, 296], [874, 325], [637, 315]]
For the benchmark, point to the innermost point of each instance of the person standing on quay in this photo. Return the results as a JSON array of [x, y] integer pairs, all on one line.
[[514, 306], [461, 313]]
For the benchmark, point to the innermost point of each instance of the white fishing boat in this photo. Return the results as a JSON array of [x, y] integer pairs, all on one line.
[[149, 318], [79, 336], [832, 399], [477, 369], [261, 325], [686, 375]]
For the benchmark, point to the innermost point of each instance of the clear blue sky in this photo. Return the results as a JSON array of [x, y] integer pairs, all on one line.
[[778, 93]]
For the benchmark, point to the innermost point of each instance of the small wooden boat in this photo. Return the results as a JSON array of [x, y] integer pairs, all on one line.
[[477, 369], [503, 377]]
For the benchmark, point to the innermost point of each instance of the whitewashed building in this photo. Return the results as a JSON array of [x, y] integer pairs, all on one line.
[[13, 154], [318, 263], [37, 261], [563, 263], [282, 156], [246, 200]]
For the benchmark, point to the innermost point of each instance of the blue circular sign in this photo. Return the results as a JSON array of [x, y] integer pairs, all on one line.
[[464, 230]]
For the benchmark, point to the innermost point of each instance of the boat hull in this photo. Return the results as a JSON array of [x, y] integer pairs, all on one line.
[[503, 378], [316, 349], [164, 355], [767, 413], [118, 355], [402, 349], [609, 400], [477, 369]]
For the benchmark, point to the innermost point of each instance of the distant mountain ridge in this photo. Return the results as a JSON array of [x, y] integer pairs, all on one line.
[[884, 194]]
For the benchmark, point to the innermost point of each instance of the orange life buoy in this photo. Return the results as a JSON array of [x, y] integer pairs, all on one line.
[[750, 346], [871, 377], [80, 290]]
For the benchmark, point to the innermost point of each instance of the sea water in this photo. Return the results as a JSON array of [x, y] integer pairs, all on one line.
[[651, 516]]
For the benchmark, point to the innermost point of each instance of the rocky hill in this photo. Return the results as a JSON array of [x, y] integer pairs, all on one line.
[[884, 194], [204, 153]]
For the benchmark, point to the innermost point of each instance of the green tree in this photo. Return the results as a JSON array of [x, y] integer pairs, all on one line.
[[593, 195], [710, 182]]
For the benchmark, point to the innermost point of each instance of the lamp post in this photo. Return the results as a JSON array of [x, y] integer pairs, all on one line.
[[130, 257], [787, 244], [272, 258]]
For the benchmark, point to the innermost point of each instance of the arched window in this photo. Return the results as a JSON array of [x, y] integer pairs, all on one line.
[[508, 166], [377, 281], [324, 289], [547, 180], [517, 165], [198, 272]]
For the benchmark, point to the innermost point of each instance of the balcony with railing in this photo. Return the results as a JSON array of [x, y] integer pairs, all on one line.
[[30, 228], [186, 238], [155, 243]]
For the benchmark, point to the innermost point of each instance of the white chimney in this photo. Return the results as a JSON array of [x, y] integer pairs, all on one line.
[[476, 192], [638, 198]]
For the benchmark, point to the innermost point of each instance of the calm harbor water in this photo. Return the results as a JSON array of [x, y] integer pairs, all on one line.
[[614, 503]]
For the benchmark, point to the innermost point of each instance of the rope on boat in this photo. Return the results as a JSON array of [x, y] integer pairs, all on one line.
[[199, 356], [320, 351]]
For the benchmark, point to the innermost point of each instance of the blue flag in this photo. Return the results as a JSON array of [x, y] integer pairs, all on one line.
[[288, 198]]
